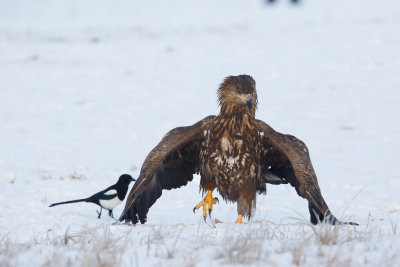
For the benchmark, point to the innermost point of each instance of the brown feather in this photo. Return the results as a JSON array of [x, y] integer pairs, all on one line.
[[171, 164], [287, 157]]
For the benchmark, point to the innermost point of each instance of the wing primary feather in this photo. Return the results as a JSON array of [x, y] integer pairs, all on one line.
[[171, 164], [287, 157]]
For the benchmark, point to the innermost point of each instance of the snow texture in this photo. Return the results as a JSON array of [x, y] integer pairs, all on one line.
[[88, 88]]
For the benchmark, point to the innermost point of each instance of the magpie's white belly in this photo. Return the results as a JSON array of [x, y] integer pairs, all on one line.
[[110, 203]]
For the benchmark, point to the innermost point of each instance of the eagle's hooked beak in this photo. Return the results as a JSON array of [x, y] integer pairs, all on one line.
[[248, 99]]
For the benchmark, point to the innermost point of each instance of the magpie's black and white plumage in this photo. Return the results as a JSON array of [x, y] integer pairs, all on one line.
[[109, 197]]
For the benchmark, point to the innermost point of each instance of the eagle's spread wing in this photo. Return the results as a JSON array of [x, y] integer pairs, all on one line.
[[285, 159], [171, 164]]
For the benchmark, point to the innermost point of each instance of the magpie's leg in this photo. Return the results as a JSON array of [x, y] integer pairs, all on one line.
[[101, 209], [110, 213]]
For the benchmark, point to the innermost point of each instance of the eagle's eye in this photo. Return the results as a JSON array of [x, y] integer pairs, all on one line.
[[239, 90]]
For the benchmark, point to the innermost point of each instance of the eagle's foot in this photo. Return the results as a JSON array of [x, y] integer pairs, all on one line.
[[207, 204], [239, 219]]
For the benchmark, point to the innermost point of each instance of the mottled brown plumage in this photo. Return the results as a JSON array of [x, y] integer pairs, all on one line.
[[234, 153]]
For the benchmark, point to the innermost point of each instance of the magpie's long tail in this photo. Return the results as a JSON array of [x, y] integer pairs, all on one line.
[[71, 201]]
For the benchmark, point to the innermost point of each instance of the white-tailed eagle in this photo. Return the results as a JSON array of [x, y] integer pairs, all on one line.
[[234, 153]]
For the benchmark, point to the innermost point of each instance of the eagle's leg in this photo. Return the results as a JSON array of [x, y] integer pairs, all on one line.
[[244, 205], [239, 219], [207, 204]]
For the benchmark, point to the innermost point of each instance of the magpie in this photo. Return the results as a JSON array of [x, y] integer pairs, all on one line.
[[108, 198]]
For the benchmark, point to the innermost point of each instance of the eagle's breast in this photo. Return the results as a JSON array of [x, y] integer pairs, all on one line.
[[228, 156]]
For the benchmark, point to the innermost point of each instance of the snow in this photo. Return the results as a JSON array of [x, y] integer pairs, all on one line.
[[88, 88]]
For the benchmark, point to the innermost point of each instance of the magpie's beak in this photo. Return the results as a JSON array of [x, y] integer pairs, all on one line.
[[132, 180], [249, 101]]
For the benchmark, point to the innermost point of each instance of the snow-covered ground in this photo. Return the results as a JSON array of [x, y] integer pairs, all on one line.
[[87, 88]]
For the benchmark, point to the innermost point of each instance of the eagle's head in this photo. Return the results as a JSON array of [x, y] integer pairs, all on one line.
[[238, 93]]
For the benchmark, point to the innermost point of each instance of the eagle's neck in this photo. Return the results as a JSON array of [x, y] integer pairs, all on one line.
[[234, 121]]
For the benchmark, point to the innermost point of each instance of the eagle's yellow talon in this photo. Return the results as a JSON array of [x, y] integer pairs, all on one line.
[[239, 219], [207, 204]]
